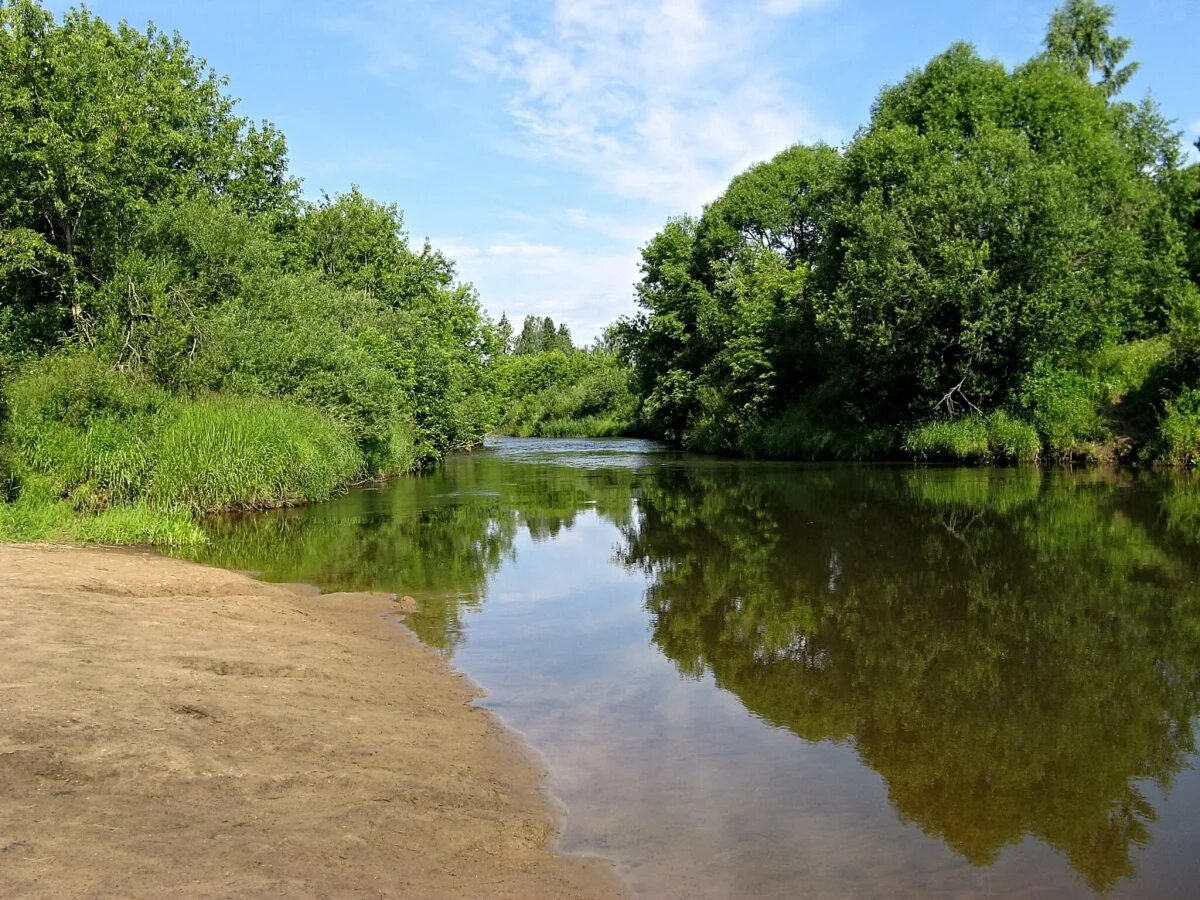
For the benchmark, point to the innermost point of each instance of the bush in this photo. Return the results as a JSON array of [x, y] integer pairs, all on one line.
[[1178, 439], [974, 438], [1122, 368], [1065, 409], [102, 439], [306, 340], [800, 433]]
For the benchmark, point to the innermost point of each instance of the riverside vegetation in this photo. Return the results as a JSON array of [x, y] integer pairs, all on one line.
[[1002, 265]]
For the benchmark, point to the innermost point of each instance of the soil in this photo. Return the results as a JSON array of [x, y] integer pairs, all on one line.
[[168, 728]]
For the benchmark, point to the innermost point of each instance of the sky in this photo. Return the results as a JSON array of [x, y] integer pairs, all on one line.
[[541, 144]]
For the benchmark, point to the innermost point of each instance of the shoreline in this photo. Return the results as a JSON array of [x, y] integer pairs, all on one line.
[[170, 726]]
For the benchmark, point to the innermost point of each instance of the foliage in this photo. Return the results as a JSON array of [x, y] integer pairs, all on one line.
[[193, 317], [981, 250], [540, 336], [1180, 431], [99, 123], [98, 438], [548, 388]]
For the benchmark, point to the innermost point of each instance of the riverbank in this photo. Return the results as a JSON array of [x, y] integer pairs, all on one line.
[[174, 728]]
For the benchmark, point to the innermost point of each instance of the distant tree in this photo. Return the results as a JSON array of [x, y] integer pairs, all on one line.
[[548, 339], [540, 335], [562, 339], [504, 333]]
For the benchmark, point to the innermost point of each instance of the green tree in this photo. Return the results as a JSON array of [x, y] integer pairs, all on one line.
[[1079, 37], [98, 124], [989, 232]]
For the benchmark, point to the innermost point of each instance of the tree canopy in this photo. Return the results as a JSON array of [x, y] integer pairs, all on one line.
[[988, 234]]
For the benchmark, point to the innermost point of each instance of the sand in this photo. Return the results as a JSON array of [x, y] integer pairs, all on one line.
[[170, 729]]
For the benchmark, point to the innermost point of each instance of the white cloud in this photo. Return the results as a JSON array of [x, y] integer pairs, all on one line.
[[661, 100], [791, 7], [584, 289]]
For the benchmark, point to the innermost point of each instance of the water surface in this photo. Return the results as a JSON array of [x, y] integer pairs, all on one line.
[[769, 680]]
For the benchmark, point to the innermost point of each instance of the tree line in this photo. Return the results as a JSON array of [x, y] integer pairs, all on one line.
[[1002, 264]]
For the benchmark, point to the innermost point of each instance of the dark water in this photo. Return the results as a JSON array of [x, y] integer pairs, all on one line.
[[758, 680]]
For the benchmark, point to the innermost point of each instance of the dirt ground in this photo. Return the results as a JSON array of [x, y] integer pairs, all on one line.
[[169, 729]]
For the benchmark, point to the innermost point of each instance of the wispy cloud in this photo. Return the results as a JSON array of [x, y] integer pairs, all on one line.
[[791, 7], [662, 100], [583, 289]]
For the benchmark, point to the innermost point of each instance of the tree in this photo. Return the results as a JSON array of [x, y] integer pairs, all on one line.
[[540, 335], [504, 333], [1079, 37], [986, 228], [99, 124]]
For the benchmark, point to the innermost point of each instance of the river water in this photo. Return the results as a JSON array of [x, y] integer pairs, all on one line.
[[779, 680]]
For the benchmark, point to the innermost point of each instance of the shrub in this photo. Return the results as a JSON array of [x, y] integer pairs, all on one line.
[[245, 452], [802, 432], [974, 438], [1065, 407], [1178, 438], [1122, 368]]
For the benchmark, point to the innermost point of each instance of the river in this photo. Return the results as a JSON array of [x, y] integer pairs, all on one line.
[[776, 680]]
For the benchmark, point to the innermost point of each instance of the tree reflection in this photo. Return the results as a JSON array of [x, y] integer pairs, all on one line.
[[1013, 652], [439, 537]]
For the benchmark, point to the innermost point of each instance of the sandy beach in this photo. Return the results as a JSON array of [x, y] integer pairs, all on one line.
[[167, 728]]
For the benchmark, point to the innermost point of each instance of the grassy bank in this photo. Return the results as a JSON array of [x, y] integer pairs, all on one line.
[[96, 454], [1129, 404]]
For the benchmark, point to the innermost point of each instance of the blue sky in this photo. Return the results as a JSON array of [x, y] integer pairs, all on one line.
[[541, 144]]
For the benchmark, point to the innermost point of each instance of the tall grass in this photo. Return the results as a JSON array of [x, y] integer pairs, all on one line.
[[1178, 439], [974, 438], [138, 463], [244, 452]]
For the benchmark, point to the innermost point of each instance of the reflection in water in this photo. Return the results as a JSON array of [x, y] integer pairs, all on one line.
[[1016, 653], [1012, 653]]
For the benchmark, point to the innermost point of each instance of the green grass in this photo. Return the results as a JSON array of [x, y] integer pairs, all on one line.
[[580, 427], [1178, 439], [237, 453], [94, 454], [975, 438], [34, 518]]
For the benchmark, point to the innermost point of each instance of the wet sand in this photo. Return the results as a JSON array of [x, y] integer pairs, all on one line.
[[168, 728]]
